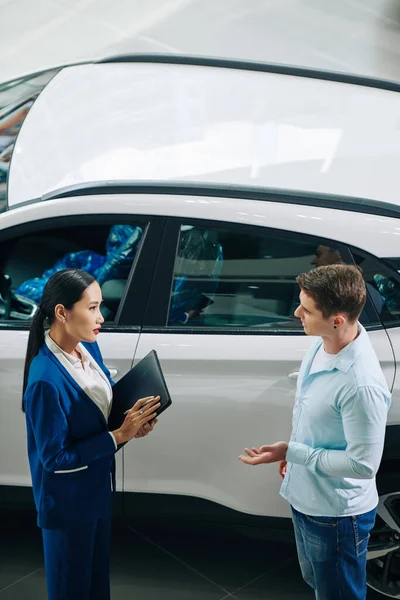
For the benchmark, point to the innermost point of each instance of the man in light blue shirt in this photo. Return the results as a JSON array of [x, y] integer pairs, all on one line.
[[339, 422]]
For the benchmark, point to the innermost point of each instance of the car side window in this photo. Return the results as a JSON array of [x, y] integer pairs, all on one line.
[[383, 286], [28, 260], [244, 277], [16, 99]]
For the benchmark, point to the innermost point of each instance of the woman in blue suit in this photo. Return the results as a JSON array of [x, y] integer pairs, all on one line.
[[67, 399]]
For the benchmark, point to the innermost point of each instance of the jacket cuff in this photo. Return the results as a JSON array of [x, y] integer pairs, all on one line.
[[114, 440]]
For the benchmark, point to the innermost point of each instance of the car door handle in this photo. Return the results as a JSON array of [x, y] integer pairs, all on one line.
[[293, 375], [113, 372]]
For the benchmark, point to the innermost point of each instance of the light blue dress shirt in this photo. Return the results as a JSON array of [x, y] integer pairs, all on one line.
[[338, 432]]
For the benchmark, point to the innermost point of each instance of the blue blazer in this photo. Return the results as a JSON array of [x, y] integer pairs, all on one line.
[[71, 453]]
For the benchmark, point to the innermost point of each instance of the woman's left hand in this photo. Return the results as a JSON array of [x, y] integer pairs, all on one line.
[[146, 429]]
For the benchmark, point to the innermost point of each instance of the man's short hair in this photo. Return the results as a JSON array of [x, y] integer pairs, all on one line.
[[335, 289]]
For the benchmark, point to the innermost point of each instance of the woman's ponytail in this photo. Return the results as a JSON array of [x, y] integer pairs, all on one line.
[[64, 287], [35, 341]]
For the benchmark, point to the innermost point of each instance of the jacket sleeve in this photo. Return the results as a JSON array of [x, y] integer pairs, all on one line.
[[364, 416], [51, 432]]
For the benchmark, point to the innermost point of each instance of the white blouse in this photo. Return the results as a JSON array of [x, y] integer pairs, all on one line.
[[87, 374]]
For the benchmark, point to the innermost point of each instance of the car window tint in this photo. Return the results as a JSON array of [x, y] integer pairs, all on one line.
[[229, 278], [383, 285], [28, 261]]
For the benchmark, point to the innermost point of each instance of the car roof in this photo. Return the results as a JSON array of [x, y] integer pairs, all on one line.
[[209, 123]]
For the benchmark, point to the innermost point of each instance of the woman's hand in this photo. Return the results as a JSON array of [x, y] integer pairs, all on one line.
[[146, 429], [139, 415]]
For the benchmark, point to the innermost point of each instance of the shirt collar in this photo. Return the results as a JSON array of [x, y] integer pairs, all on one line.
[[344, 360], [74, 360]]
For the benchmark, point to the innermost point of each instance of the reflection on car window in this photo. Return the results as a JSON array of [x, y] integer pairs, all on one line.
[[383, 285], [16, 99], [107, 252], [226, 278]]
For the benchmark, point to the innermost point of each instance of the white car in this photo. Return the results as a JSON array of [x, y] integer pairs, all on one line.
[[230, 179]]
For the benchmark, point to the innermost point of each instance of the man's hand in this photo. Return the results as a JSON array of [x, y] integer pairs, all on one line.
[[265, 454], [146, 429], [282, 468]]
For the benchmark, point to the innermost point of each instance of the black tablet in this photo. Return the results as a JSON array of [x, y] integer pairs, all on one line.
[[145, 379]]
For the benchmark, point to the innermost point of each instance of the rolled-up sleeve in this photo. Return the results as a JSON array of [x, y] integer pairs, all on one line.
[[364, 416]]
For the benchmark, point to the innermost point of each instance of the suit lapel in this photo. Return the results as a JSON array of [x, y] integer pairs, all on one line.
[[72, 381], [96, 356]]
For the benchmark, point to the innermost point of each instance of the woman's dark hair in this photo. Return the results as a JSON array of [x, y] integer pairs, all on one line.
[[64, 287]]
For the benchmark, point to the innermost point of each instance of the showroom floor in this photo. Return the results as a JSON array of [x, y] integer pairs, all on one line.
[[191, 562], [357, 36]]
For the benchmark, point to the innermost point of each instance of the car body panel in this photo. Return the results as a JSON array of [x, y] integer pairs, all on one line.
[[229, 392], [378, 235], [394, 413], [230, 129], [232, 372], [175, 122]]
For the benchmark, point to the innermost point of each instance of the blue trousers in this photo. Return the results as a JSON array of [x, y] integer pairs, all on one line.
[[332, 554], [77, 561]]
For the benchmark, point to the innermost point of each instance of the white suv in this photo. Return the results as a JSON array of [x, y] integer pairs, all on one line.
[[202, 188]]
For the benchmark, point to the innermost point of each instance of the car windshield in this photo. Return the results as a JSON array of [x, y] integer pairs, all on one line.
[[16, 99]]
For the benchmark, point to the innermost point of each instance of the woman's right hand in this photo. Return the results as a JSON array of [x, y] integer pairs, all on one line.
[[136, 417]]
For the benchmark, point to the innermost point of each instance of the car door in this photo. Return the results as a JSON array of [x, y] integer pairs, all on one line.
[[221, 319], [383, 280], [120, 250]]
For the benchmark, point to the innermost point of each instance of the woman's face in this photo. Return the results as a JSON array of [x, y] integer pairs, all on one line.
[[83, 321]]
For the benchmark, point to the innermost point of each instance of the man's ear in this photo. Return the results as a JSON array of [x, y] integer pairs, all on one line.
[[339, 321]]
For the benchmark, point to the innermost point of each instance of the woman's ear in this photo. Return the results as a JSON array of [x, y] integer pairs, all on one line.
[[60, 314]]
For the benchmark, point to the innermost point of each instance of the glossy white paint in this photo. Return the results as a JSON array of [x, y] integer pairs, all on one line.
[[13, 432], [378, 235], [175, 122], [229, 392], [394, 413], [118, 350]]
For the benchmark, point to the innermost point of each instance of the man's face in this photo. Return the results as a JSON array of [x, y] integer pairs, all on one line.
[[312, 319], [326, 256]]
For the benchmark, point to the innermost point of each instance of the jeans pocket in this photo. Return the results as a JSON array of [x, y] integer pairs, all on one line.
[[362, 525], [323, 521]]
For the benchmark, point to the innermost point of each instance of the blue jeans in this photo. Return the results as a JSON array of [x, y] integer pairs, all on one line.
[[332, 554]]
